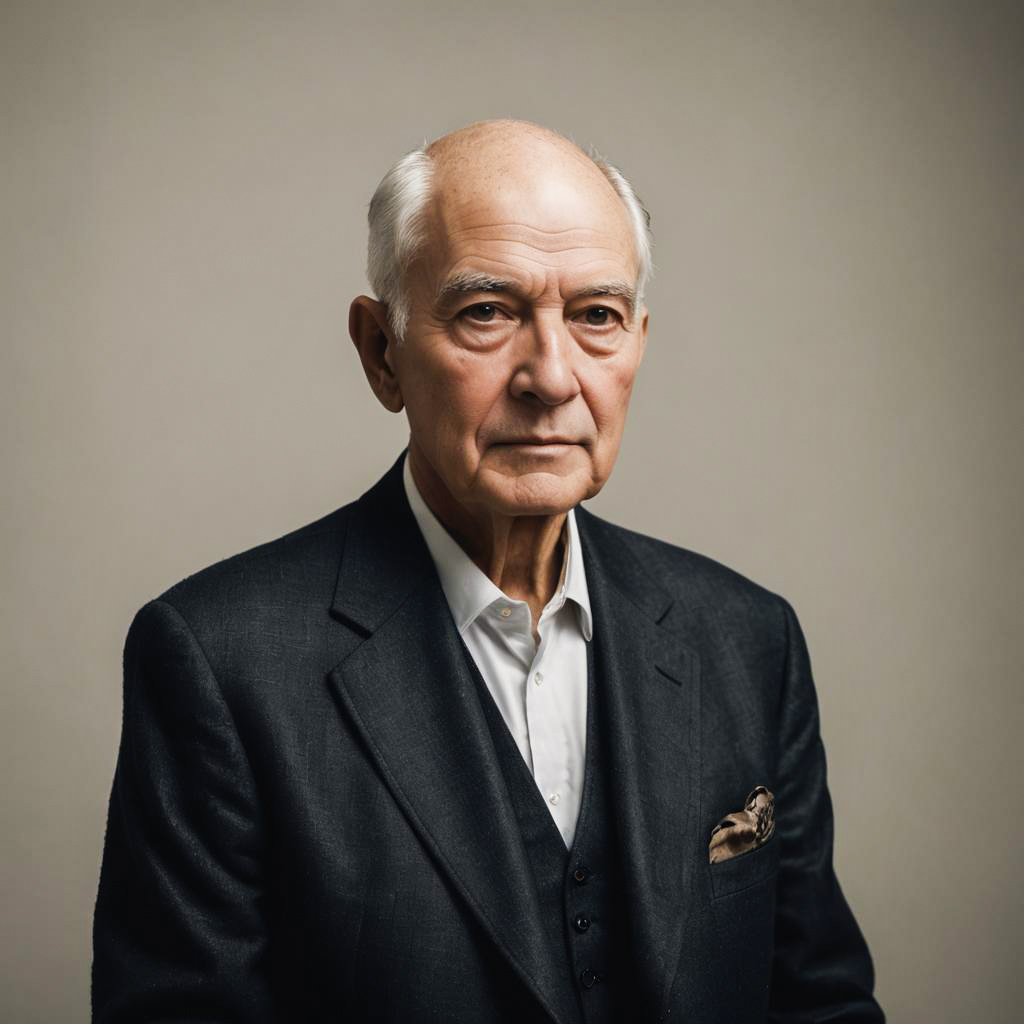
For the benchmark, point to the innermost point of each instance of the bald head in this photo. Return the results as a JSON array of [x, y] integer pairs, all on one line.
[[504, 146], [507, 165]]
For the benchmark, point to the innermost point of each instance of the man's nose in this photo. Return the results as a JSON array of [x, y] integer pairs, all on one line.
[[545, 370]]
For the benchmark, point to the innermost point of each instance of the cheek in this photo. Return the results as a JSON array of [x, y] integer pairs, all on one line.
[[609, 399], [450, 400]]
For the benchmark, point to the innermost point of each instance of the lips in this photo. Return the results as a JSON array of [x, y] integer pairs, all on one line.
[[538, 440]]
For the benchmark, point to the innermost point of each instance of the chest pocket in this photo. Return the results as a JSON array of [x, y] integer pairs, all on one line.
[[729, 877]]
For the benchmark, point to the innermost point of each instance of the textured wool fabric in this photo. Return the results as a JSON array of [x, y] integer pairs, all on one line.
[[308, 821]]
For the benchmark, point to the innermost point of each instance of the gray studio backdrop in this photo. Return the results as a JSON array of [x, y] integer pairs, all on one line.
[[830, 403]]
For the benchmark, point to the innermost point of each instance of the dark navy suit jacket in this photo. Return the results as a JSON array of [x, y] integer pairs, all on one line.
[[308, 821]]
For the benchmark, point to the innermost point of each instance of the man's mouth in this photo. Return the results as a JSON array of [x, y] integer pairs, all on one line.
[[537, 441]]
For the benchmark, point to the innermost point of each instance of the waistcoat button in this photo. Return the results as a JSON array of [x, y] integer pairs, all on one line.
[[580, 875], [582, 922], [587, 978]]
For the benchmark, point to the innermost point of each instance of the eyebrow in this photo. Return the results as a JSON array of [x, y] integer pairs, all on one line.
[[468, 282], [617, 289]]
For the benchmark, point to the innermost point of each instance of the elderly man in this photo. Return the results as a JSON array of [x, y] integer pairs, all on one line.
[[461, 750]]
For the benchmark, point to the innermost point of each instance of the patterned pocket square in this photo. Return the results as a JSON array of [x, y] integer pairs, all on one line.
[[744, 830]]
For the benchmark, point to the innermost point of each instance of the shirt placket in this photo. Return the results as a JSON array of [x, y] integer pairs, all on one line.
[[548, 744]]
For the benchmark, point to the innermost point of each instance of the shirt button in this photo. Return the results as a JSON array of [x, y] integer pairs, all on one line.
[[505, 612], [582, 922], [580, 875], [538, 677], [587, 978], [554, 798]]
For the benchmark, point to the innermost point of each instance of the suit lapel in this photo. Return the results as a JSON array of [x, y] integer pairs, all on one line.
[[650, 682], [409, 692]]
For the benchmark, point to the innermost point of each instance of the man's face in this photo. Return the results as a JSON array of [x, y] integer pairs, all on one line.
[[523, 343]]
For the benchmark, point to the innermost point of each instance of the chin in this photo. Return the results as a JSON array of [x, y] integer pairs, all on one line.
[[535, 494]]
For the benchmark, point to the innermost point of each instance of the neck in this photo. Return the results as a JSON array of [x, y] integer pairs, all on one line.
[[522, 555]]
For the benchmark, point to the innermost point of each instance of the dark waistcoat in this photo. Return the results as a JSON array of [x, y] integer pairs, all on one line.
[[579, 890]]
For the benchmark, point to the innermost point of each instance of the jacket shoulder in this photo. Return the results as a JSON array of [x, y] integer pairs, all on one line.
[[295, 569], [702, 585], [740, 630]]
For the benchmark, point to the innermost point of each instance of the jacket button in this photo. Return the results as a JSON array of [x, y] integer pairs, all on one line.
[[587, 978], [580, 875], [582, 922]]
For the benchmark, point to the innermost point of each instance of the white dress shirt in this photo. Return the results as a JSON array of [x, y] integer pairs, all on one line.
[[540, 689]]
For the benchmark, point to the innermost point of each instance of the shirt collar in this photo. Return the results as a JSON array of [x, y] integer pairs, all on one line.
[[468, 590]]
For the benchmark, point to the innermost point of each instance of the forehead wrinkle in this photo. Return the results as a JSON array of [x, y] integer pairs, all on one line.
[[567, 262], [548, 256], [551, 240], [528, 228], [599, 265], [477, 211]]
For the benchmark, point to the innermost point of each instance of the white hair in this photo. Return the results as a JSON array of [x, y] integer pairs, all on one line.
[[397, 219], [639, 220]]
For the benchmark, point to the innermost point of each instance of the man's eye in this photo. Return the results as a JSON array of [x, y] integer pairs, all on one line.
[[482, 312], [598, 316]]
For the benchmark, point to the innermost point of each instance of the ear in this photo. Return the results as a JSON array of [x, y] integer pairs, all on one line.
[[374, 341], [643, 335]]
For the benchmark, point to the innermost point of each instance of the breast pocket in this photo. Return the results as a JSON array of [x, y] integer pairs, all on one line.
[[742, 923], [753, 868]]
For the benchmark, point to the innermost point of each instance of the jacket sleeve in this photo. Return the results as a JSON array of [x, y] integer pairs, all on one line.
[[822, 970], [179, 932]]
